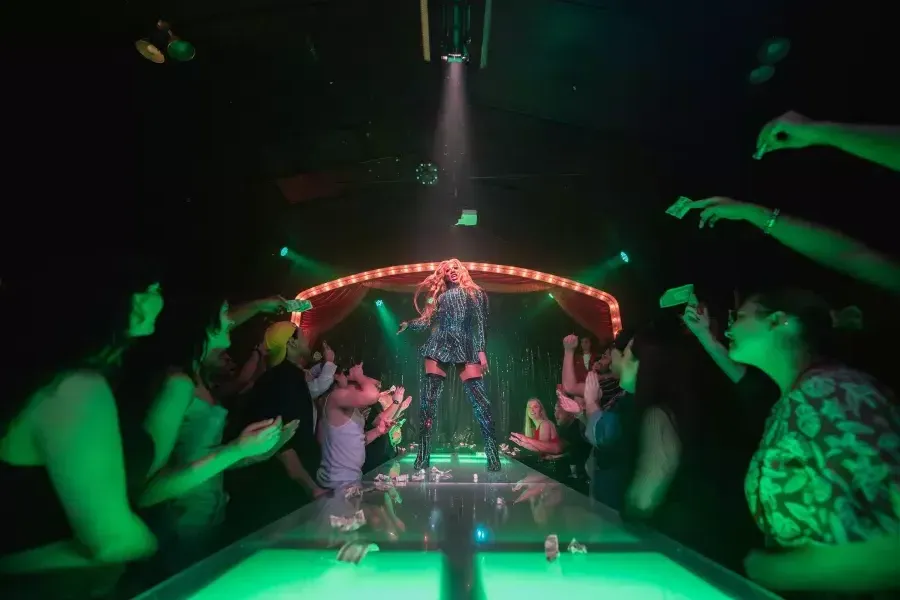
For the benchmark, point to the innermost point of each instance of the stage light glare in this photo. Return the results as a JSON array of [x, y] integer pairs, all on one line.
[[284, 252], [624, 257], [379, 303]]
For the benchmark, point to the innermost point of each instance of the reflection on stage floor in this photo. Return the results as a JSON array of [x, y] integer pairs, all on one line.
[[461, 533]]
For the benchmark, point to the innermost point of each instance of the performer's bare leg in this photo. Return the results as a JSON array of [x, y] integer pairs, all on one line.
[[473, 384]]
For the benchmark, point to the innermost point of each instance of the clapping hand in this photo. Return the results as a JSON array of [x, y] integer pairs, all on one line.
[[592, 391], [567, 404], [259, 438], [520, 440], [287, 432], [405, 404]]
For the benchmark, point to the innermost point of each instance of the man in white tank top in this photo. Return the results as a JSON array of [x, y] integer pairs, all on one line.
[[344, 437]]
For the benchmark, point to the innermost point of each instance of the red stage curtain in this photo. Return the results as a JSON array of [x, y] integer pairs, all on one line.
[[589, 312], [332, 307], [329, 309]]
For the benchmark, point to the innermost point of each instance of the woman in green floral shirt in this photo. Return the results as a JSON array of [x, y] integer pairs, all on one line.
[[824, 484]]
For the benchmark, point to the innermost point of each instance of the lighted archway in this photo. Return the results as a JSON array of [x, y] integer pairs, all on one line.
[[342, 295]]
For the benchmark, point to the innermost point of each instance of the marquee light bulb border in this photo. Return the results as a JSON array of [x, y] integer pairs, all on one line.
[[473, 267]]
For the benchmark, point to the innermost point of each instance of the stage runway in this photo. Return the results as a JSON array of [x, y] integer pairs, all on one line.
[[470, 535]]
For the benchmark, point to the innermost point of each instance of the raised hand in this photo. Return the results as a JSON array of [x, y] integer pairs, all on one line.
[[789, 131], [328, 352], [719, 207], [356, 373], [570, 342], [398, 394], [273, 304], [403, 327], [406, 403], [696, 319]]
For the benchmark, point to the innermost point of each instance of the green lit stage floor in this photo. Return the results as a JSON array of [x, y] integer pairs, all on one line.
[[633, 575], [315, 574], [456, 540]]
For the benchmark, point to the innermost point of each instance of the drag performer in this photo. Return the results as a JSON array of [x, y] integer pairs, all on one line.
[[455, 311]]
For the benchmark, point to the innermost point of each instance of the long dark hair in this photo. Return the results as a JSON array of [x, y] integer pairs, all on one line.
[[178, 346], [665, 375], [62, 317]]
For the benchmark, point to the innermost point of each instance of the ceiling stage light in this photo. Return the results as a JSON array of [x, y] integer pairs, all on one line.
[[284, 251], [761, 74], [379, 303], [624, 257], [427, 173], [163, 38], [774, 50]]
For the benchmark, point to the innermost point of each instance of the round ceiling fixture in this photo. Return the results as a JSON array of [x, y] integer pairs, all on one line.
[[761, 74], [162, 37], [427, 173], [149, 51], [774, 50]]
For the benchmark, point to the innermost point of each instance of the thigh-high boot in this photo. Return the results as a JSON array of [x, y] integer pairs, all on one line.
[[482, 408], [434, 385]]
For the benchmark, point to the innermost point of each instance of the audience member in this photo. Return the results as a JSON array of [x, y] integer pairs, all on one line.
[[62, 436]]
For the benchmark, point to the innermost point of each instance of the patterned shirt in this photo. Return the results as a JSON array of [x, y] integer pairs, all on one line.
[[828, 465]]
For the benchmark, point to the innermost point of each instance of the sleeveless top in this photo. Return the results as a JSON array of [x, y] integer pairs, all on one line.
[[343, 451], [33, 513], [199, 435], [537, 433]]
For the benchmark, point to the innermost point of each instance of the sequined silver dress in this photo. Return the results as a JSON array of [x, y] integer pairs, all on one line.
[[457, 327]]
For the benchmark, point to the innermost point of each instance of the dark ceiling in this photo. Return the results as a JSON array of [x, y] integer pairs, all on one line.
[[590, 118]]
